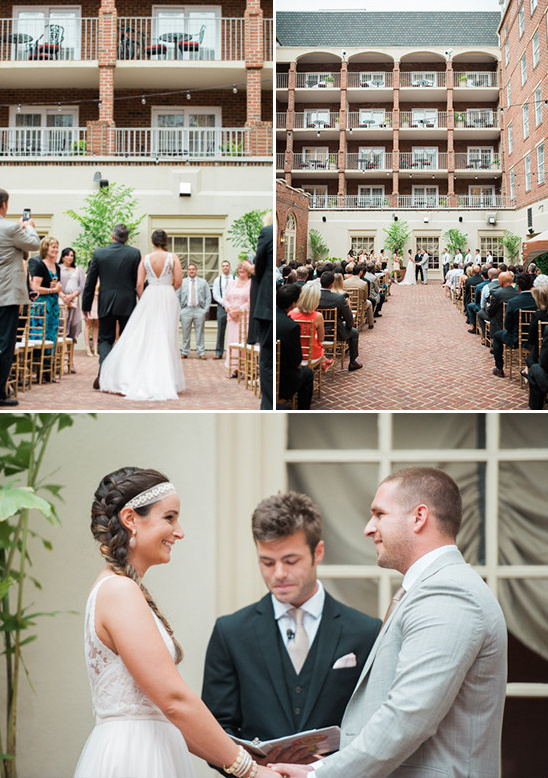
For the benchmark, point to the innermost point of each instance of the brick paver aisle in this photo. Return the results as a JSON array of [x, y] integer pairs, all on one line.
[[207, 388], [419, 356]]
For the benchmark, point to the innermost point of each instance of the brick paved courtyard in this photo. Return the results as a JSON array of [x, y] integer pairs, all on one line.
[[207, 388], [420, 357]]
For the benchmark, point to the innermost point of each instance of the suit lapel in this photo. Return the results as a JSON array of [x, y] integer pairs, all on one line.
[[269, 642], [327, 638]]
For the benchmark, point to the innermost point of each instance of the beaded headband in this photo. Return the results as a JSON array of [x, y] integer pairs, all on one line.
[[151, 495]]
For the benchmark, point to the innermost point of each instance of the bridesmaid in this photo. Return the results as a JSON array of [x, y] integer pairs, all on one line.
[[45, 281]]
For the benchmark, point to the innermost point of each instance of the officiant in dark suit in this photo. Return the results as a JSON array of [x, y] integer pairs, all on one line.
[[115, 267], [289, 662]]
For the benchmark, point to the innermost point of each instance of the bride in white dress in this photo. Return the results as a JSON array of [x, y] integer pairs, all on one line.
[[145, 712], [409, 278], [145, 363]]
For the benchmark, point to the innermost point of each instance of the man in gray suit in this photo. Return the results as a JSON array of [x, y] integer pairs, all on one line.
[[194, 299], [15, 238], [430, 698]]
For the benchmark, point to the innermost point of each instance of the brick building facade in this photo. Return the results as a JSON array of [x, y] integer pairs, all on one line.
[[292, 218]]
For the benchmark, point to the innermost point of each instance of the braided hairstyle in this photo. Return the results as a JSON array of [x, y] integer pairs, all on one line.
[[114, 491]]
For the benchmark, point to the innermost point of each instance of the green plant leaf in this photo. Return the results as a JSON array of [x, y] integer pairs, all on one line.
[[4, 586], [15, 499]]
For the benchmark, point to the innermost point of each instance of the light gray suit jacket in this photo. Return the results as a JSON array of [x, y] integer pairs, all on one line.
[[430, 699], [14, 240], [203, 293]]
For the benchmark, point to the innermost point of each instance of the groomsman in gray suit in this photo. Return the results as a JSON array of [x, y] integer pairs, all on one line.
[[430, 698], [194, 299]]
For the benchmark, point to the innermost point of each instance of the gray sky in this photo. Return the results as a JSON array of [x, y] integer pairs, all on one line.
[[387, 5]]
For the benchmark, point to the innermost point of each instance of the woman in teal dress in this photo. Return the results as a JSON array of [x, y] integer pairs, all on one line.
[[45, 281]]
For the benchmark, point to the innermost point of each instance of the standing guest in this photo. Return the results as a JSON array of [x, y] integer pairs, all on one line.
[[307, 310], [194, 300], [148, 719], [261, 308], [45, 281], [459, 259], [396, 260], [489, 258], [220, 285], [267, 672], [383, 260], [468, 258], [16, 238], [115, 267], [294, 376], [445, 261], [236, 301], [350, 256], [477, 258], [509, 335], [430, 699], [73, 280]]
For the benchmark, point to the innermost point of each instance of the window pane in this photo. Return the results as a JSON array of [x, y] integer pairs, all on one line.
[[524, 741], [523, 530], [523, 430], [426, 430], [349, 431]]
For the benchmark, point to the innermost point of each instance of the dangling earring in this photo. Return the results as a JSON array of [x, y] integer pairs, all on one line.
[[132, 540]]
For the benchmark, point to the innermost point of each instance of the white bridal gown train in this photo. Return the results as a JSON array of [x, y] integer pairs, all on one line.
[[145, 363], [409, 277], [132, 738]]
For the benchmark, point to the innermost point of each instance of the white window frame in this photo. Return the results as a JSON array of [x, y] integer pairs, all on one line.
[[373, 79], [418, 77], [541, 169], [533, 5], [479, 117], [424, 116], [368, 198], [53, 14], [538, 105], [316, 118], [508, 94], [525, 116], [316, 154], [485, 195], [425, 196], [213, 139], [290, 237], [510, 138], [187, 14], [46, 138], [484, 155], [318, 195], [528, 176], [523, 65], [535, 46], [372, 113], [507, 52], [370, 155], [512, 184], [422, 153], [521, 19]]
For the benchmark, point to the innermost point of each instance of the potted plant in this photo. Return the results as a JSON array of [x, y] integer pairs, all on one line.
[[463, 78], [332, 162], [495, 163], [328, 80], [459, 119]]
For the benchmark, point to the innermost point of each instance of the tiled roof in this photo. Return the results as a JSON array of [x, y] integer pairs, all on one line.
[[370, 28]]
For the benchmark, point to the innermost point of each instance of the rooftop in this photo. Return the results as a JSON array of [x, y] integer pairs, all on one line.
[[369, 28]]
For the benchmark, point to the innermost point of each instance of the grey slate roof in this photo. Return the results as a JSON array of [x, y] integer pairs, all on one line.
[[391, 28]]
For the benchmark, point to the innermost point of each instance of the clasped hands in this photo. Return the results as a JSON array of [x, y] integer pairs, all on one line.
[[292, 761]]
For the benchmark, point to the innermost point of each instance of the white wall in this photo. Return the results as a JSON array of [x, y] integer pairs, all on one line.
[[221, 467]]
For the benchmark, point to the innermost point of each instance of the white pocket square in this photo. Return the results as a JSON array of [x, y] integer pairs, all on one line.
[[348, 660]]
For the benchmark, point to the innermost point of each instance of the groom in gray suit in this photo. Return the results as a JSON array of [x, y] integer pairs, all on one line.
[[430, 698], [194, 300]]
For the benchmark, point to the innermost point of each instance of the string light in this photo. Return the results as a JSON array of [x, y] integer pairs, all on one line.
[[143, 100], [188, 95], [234, 88], [19, 108]]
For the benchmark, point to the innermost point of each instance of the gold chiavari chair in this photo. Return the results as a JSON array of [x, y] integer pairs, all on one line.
[[237, 352], [337, 349], [307, 338]]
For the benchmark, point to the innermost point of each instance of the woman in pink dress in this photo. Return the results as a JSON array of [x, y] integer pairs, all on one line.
[[236, 301]]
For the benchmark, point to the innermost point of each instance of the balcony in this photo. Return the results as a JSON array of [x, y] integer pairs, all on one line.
[[474, 164], [413, 202], [422, 80], [318, 81], [282, 80], [478, 80], [370, 81], [369, 163], [40, 143], [370, 124], [423, 124], [280, 159], [423, 162], [314, 163], [325, 123], [27, 40]]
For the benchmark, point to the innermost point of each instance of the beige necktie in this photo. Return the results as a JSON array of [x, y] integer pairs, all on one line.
[[297, 647], [393, 603], [193, 293]]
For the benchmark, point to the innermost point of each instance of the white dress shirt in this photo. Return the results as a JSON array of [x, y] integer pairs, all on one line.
[[312, 608], [220, 285]]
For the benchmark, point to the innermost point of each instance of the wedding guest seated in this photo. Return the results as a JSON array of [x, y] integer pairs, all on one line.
[[509, 335], [473, 307], [473, 279], [302, 275], [375, 295], [355, 281], [345, 330], [338, 283], [540, 296], [294, 377], [538, 373], [500, 294], [307, 310], [286, 272]]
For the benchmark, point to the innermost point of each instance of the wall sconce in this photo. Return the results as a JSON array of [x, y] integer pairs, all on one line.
[[394, 217], [97, 177], [492, 220], [460, 218], [282, 236], [324, 219], [426, 219]]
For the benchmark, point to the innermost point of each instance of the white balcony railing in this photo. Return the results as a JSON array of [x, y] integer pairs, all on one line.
[[318, 80], [214, 142], [72, 39], [370, 80], [280, 159], [43, 142], [281, 120], [318, 161], [476, 119], [194, 38], [475, 162], [374, 120], [282, 80], [410, 202], [323, 121], [369, 161], [414, 161], [481, 79], [408, 119], [422, 79]]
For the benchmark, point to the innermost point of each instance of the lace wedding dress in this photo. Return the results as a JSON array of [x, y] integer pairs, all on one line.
[[145, 363], [132, 737], [409, 278]]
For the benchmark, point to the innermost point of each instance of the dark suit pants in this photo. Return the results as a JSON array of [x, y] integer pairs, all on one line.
[[482, 318], [538, 387], [418, 270], [107, 334], [445, 271], [471, 310], [305, 388], [353, 344], [266, 370], [9, 316], [499, 339], [221, 329]]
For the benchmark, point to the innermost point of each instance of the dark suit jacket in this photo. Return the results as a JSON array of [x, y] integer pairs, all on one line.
[[344, 314], [523, 300], [116, 267], [469, 283], [288, 332], [264, 272], [244, 683], [499, 296]]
